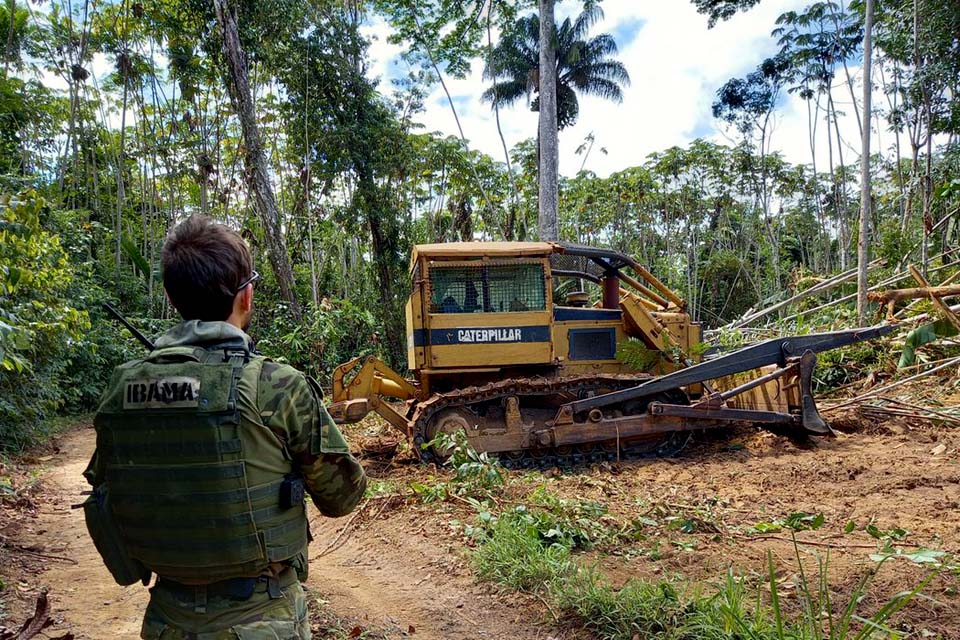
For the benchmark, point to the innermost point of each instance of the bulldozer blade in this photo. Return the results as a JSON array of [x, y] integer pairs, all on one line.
[[774, 351], [810, 417]]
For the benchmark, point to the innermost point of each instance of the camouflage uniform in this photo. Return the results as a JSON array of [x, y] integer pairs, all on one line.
[[284, 429]]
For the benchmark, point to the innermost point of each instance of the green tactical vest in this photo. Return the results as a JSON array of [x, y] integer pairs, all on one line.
[[170, 429]]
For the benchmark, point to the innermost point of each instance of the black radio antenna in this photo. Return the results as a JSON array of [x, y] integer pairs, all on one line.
[[144, 340]]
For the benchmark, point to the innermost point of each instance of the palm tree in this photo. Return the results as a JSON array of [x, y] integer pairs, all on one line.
[[584, 65]]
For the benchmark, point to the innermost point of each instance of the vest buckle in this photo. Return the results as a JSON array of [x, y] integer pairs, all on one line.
[[229, 353], [200, 598]]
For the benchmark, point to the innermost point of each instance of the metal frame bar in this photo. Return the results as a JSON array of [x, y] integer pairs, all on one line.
[[775, 351], [722, 413]]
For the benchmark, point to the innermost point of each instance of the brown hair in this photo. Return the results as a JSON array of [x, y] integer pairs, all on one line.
[[203, 263]]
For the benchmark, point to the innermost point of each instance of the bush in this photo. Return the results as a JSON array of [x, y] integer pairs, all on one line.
[[38, 325], [329, 335], [639, 608]]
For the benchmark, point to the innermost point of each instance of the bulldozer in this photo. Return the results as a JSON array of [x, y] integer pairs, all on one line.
[[547, 352]]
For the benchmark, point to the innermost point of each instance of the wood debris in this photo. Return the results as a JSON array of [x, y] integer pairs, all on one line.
[[876, 392], [36, 623], [895, 295]]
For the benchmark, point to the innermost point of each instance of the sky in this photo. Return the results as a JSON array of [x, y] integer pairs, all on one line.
[[676, 65]]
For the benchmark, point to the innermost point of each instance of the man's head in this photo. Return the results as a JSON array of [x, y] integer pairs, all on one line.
[[205, 266]]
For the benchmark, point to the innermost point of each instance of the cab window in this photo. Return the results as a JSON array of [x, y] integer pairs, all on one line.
[[487, 288]]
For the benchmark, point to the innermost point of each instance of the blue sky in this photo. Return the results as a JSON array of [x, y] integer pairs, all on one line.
[[676, 66]]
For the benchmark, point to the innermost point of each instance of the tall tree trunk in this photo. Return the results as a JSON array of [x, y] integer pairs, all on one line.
[[12, 12], [862, 243], [842, 204], [121, 191], [549, 153], [255, 161], [508, 224]]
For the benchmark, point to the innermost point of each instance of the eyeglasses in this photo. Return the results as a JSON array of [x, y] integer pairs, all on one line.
[[254, 277]]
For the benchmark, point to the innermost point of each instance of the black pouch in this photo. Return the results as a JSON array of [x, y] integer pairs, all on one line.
[[292, 491], [108, 541]]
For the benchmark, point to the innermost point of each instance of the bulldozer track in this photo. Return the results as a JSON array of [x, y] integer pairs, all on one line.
[[610, 449]]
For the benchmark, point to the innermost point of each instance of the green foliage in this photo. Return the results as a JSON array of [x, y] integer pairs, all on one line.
[[453, 32], [893, 242], [480, 470], [37, 323], [28, 121], [475, 474], [841, 366], [515, 554], [432, 492], [329, 335], [922, 335], [377, 488], [650, 610], [717, 10], [636, 355], [584, 66], [798, 521], [577, 524]]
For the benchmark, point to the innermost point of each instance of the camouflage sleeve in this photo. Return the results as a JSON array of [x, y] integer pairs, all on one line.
[[334, 478]]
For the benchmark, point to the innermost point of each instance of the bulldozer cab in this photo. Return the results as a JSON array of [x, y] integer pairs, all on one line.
[[482, 308], [479, 305]]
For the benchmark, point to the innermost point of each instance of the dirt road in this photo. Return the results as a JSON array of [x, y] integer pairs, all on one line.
[[396, 568]]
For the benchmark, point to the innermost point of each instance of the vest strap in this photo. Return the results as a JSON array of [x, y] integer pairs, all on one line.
[[200, 598], [174, 450], [179, 475]]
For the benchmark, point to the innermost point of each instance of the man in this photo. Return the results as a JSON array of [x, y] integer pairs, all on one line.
[[204, 450]]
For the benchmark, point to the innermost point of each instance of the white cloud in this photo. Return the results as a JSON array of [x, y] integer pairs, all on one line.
[[384, 57], [676, 65]]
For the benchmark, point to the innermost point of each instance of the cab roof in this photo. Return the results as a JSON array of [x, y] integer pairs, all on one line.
[[605, 258], [481, 249]]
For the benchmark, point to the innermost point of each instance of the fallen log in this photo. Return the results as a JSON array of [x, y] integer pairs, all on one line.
[[886, 283], [902, 312], [936, 298], [895, 295], [820, 287]]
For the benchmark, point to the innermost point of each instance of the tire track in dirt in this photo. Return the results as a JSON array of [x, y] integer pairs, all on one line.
[[398, 578], [83, 596]]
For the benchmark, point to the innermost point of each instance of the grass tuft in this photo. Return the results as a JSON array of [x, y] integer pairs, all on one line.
[[515, 552], [515, 555]]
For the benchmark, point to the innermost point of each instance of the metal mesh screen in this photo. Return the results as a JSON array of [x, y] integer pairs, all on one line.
[[565, 262], [487, 288]]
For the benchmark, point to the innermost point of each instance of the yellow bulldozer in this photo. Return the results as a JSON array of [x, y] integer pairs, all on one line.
[[524, 345]]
